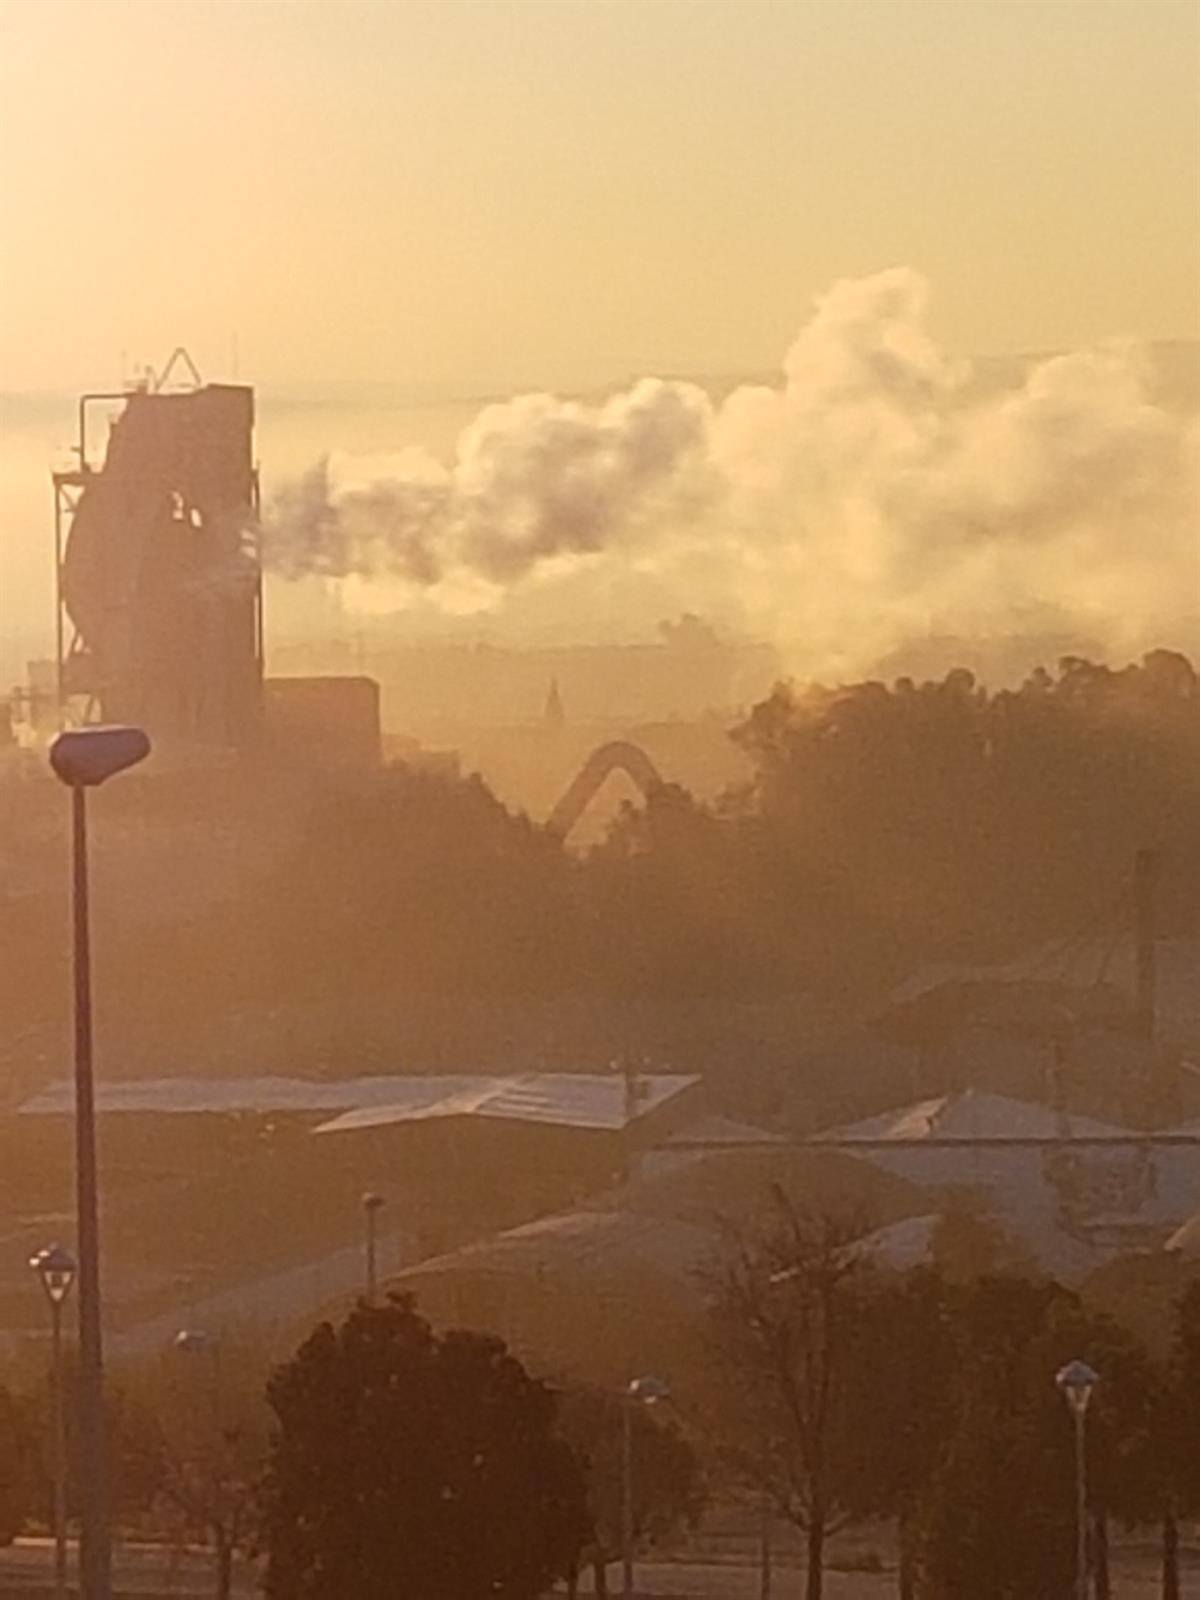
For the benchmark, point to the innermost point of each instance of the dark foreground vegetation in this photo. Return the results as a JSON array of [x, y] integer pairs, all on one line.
[[886, 827], [385, 1458]]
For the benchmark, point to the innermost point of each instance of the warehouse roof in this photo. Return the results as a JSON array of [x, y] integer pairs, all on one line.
[[1090, 971], [576, 1100], [587, 1100], [973, 1115], [599, 1244], [1187, 1238]]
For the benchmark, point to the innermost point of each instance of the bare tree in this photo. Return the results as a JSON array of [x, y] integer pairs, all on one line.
[[786, 1300], [209, 1446]]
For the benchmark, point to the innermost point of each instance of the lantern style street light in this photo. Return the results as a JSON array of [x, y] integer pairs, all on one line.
[[56, 1268], [1076, 1381], [84, 758], [645, 1391]]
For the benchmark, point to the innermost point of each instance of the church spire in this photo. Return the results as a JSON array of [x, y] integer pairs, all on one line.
[[554, 716]]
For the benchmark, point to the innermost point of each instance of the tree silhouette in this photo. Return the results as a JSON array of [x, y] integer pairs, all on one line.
[[415, 1464], [18, 1491], [998, 1514]]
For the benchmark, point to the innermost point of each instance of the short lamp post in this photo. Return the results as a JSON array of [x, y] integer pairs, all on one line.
[[372, 1205], [1076, 1382], [56, 1268], [645, 1391], [213, 1460], [193, 1343], [84, 758]]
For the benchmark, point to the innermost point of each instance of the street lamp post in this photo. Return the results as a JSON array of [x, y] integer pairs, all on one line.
[[85, 758], [645, 1391], [195, 1342], [215, 1460], [56, 1268], [764, 1549], [372, 1205], [1075, 1382]]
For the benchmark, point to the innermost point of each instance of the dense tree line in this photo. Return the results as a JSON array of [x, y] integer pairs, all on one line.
[[887, 826], [884, 827]]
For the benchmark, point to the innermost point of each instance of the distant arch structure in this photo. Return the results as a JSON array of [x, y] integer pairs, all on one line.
[[619, 755]]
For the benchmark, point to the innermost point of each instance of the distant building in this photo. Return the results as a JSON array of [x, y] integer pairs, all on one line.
[[1073, 1204], [326, 721]]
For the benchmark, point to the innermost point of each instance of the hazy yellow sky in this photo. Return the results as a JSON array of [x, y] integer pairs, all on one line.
[[561, 191]]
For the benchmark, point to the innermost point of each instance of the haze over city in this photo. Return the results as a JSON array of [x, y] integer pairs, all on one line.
[[599, 776], [384, 230]]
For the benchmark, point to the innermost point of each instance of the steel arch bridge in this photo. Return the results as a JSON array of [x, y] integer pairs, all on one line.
[[619, 755]]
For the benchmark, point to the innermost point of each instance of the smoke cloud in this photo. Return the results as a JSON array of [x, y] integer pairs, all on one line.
[[878, 490]]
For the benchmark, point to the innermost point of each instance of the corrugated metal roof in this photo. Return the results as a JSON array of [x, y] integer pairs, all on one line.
[[974, 1115], [584, 1100], [191, 1096], [718, 1132], [1187, 1239], [1084, 968], [575, 1100]]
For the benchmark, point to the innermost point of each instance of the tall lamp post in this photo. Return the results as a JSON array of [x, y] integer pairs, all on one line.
[[645, 1391], [56, 1268], [372, 1205], [84, 758], [1075, 1382]]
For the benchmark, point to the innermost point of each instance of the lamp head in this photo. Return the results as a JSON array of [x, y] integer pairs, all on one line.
[[649, 1390], [1075, 1382], [373, 1202], [192, 1341], [56, 1268], [86, 757]]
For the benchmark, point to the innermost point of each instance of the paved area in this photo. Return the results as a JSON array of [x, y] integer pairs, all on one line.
[[685, 1581], [150, 1573]]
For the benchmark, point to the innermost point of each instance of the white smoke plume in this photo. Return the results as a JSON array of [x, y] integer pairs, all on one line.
[[878, 490]]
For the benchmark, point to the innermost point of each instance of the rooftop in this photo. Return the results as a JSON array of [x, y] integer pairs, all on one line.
[[581, 1100], [973, 1115]]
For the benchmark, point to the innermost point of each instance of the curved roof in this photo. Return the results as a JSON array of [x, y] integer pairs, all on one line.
[[671, 1222], [592, 1244]]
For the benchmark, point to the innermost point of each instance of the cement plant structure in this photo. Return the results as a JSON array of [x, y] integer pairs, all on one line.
[[159, 588]]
